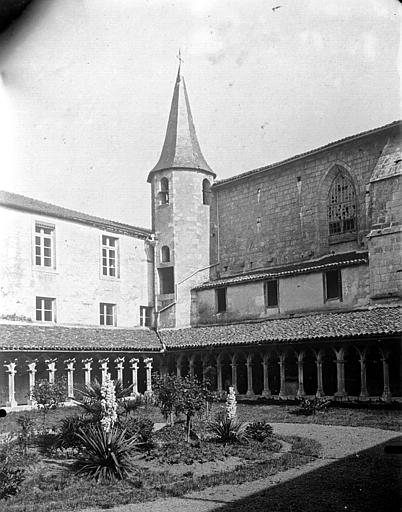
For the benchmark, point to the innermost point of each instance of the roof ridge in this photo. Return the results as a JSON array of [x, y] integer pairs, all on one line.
[[292, 158]]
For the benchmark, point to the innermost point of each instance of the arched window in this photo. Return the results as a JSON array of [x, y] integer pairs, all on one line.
[[164, 192], [165, 254], [206, 192], [342, 206]]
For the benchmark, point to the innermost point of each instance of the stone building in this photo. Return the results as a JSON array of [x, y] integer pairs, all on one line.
[[283, 281]]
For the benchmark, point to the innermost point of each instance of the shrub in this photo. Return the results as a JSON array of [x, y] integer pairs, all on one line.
[[10, 480], [259, 431], [140, 427], [228, 429], [106, 456], [67, 437], [27, 430], [312, 406], [48, 395]]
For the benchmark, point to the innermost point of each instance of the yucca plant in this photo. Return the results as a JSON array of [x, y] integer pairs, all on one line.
[[228, 429], [105, 456]]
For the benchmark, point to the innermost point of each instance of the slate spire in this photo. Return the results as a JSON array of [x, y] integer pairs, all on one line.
[[181, 149]]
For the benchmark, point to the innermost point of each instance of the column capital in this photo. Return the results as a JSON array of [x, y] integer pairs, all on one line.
[[11, 367]]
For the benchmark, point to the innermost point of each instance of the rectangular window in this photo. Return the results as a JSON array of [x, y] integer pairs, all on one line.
[[145, 316], [221, 300], [44, 245], [107, 314], [166, 280], [45, 309], [109, 256], [271, 293], [333, 284]]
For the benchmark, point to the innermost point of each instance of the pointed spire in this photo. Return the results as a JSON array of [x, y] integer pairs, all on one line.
[[181, 149]]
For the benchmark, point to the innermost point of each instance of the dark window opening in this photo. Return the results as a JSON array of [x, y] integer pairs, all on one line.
[[271, 293], [221, 300], [333, 285], [342, 206], [145, 316], [165, 254], [163, 195], [166, 280], [206, 192]]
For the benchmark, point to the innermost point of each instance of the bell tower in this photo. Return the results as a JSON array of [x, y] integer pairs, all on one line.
[[180, 182]]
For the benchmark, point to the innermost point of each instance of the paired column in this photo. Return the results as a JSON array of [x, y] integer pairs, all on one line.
[[104, 368], [234, 373], [51, 368], [386, 394], [282, 390], [249, 364], [300, 375], [10, 369], [266, 391], [87, 370], [320, 388], [191, 367], [363, 376], [119, 368], [70, 377], [340, 374], [148, 369], [178, 366], [31, 375], [219, 383], [134, 375]]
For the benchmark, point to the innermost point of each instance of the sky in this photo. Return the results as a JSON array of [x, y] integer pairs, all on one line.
[[86, 86]]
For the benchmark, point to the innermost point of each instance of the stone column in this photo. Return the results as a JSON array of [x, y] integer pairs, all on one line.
[[320, 388], [148, 368], [234, 374], [134, 375], [119, 368], [300, 375], [282, 390], [31, 375], [249, 364], [11, 382], [178, 366], [266, 391], [104, 368], [363, 377], [340, 374], [386, 394], [87, 370], [191, 367], [51, 368], [219, 376], [204, 371], [70, 377]]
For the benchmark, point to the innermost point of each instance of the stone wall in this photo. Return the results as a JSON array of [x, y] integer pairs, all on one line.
[[279, 215]]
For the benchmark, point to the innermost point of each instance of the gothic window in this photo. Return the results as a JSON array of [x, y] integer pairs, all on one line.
[[163, 195], [165, 254], [206, 192], [341, 206]]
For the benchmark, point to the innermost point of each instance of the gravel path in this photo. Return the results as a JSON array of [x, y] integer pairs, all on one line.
[[337, 442]]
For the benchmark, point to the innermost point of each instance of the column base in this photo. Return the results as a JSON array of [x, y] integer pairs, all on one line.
[[386, 395], [250, 393], [266, 393], [341, 394], [320, 394], [11, 403]]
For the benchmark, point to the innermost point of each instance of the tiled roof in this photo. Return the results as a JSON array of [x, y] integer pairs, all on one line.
[[317, 327], [306, 154], [326, 263], [44, 337], [19, 202]]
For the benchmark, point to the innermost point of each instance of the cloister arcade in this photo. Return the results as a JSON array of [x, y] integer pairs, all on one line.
[[343, 370]]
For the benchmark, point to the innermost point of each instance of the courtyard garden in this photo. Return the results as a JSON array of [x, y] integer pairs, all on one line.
[[112, 448]]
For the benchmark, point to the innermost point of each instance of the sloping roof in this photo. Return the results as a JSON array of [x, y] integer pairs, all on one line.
[[19, 202], [390, 162], [317, 327], [326, 263], [181, 149], [54, 337], [294, 158]]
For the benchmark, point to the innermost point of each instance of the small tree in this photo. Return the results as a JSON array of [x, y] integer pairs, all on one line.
[[191, 399], [49, 395], [166, 391]]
